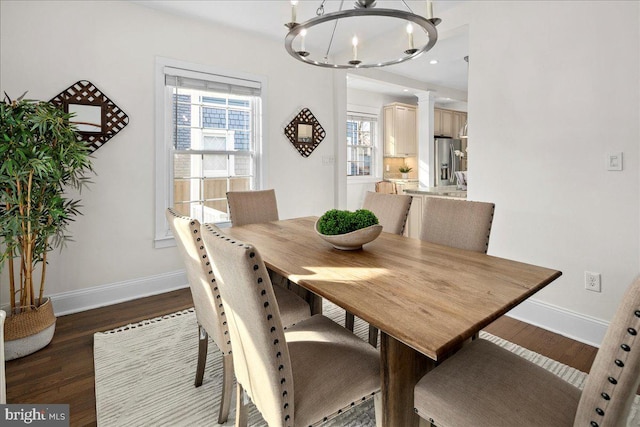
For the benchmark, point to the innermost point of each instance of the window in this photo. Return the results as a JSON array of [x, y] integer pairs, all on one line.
[[209, 142], [361, 145]]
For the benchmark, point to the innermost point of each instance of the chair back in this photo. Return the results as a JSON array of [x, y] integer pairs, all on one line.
[[250, 207], [392, 210], [204, 289], [260, 354], [459, 224], [615, 374], [386, 187]]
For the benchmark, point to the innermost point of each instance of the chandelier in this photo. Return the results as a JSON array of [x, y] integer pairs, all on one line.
[[419, 35]]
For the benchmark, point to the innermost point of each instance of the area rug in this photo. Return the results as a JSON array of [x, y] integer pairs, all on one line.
[[145, 372]]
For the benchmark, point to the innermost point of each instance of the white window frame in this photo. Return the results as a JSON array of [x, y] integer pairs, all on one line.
[[164, 144], [377, 152]]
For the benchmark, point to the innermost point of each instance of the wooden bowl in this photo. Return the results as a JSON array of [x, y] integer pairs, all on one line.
[[354, 240]]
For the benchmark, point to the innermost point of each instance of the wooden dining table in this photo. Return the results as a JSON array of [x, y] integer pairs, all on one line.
[[425, 299]]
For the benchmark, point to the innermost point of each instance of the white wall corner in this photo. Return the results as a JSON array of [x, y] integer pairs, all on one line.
[[100, 296], [579, 327]]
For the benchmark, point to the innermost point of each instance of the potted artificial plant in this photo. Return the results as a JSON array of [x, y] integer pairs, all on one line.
[[40, 156], [404, 170]]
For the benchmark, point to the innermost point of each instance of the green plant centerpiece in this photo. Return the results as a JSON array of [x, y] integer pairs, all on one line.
[[405, 169], [348, 230], [40, 156]]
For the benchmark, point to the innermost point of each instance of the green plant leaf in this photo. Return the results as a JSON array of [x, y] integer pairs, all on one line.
[[336, 221]]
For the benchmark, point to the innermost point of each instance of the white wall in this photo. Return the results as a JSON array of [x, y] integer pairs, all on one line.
[[47, 46], [554, 87]]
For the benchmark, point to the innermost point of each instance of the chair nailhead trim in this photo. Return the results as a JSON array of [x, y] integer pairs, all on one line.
[[632, 331], [605, 396], [619, 363], [600, 412], [625, 347], [637, 313], [594, 424], [612, 380]]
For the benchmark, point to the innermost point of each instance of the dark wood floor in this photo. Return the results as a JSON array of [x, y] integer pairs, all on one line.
[[63, 371]]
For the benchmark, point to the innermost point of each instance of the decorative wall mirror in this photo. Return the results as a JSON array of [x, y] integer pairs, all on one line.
[[304, 132], [97, 118]]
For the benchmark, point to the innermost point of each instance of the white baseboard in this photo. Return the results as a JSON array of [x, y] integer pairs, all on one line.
[[100, 296], [579, 327], [573, 325]]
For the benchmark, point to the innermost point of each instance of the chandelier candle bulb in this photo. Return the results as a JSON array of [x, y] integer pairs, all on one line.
[[354, 41], [293, 11], [303, 33], [429, 9], [410, 34]]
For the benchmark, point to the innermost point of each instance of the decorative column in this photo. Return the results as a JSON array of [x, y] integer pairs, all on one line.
[[426, 103]]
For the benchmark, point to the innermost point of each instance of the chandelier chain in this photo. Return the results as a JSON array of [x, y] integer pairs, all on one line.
[[335, 25], [405, 3]]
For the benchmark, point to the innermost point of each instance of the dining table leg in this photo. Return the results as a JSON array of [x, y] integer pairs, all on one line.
[[401, 368]]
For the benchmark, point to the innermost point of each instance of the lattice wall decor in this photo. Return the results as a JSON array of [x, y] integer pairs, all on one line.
[[305, 132], [97, 118]]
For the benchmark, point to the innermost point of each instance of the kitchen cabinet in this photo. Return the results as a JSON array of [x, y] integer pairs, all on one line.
[[459, 120], [400, 130], [448, 122]]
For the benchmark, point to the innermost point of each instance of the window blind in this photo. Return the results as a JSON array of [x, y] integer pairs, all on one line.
[[176, 77]]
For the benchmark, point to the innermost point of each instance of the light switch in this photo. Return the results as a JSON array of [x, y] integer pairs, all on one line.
[[614, 161]]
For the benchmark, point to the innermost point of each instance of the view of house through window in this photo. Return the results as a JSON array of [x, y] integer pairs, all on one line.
[[214, 149], [361, 143]]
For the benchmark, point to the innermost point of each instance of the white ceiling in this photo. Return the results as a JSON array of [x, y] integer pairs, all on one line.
[[267, 18]]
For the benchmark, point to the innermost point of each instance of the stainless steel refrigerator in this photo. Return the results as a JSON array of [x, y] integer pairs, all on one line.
[[446, 163]]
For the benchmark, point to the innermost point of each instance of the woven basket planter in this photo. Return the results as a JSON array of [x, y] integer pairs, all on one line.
[[28, 332]]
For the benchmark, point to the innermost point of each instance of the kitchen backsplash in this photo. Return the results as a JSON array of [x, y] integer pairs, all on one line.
[[393, 163]]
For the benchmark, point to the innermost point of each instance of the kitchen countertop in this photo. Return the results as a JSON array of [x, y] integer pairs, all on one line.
[[445, 191]]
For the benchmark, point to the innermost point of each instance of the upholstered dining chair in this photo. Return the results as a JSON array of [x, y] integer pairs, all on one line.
[[210, 312], [300, 376], [485, 385], [250, 207], [392, 211], [460, 224], [386, 187]]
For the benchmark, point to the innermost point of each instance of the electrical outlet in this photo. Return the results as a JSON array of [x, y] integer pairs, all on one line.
[[592, 281]]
